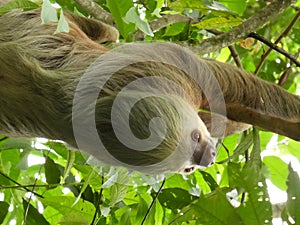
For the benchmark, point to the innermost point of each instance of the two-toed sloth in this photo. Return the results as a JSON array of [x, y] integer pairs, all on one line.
[[136, 106]]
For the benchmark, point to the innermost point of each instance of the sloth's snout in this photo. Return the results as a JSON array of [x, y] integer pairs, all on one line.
[[205, 154]]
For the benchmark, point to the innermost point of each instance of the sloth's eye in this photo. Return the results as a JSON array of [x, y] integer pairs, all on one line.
[[196, 136], [189, 169]]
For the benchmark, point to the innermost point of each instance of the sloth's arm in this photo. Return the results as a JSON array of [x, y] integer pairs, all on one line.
[[94, 29], [252, 100]]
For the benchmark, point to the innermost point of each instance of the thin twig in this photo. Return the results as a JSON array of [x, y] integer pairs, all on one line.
[[235, 56], [231, 48], [19, 185], [284, 34], [286, 73], [275, 47], [226, 149], [47, 186], [99, 201], [4, 138], [153, 201], [33, 187]]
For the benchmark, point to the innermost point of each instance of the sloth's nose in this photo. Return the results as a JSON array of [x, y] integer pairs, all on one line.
[[205, 154]]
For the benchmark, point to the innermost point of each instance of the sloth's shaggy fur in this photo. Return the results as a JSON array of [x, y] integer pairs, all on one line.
[[40, 75]]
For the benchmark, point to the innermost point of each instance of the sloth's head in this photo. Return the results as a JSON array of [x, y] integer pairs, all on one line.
[[153, 134]]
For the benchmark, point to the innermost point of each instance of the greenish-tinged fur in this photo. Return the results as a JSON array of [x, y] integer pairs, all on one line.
[[40, 73]]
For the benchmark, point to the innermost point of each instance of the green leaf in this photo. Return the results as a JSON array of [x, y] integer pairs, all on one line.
[[178, 181], [218, 22], [33, 217], [224, 55], [73, 219], [64, 205], [52, 171], [237, 6], [48, 13], [158, 214], [18, 4], [69, 166], [9, 161], [133, 17], [205, 7], [125, 218], [17, 143], [175, 29], [234, 174], [209, 180], [85, 185], [243, 146], [257, 209], [175, 198], [110, 181], [138, 211], [181, 5], [292, 147], [293, 202], [256, 151], [62, 25], [119, 9], [120, 187], [117, 193], [3, 211], [212, 209], [278, 170]]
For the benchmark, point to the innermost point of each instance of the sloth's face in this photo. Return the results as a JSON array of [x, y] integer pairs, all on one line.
[[203, 148]]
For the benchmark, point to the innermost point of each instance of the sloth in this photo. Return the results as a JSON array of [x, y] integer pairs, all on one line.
[[153, 107]]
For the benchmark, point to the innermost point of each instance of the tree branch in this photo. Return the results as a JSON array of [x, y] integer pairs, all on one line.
[[242, 31], [167, 20], [153, 201], [284, 34], [19, 185], [231, 48], [275, 47], [286, 73], [96, 11]]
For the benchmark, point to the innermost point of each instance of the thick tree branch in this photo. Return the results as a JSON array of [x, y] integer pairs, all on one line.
[[96, 11], [167, 20], [242, 31]]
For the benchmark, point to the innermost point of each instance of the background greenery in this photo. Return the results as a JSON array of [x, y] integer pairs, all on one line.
[[234, 191]]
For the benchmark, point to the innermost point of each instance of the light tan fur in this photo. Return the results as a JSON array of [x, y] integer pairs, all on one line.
[[40, 75]]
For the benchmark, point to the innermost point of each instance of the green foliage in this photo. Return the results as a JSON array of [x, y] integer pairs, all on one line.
[[133, 17], [233, 191], [292, 210], [119, 10], [18, 4]]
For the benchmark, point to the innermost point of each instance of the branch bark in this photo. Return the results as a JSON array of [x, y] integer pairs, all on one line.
[[96, 11], [243, 30]]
